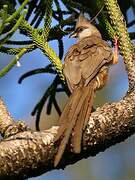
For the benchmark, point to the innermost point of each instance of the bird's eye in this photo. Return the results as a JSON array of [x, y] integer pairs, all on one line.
[[80, 29]]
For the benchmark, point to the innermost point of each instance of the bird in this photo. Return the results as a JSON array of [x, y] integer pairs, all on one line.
[[86, 66]]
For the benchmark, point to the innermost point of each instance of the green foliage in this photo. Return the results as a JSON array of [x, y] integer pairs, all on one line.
[[13, 62], [10, 4], [6, 19], [29, 16], [47, 19], [119, 25], [125, 44]]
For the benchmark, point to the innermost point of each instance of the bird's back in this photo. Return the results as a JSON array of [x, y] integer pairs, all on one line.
[[84, 60]]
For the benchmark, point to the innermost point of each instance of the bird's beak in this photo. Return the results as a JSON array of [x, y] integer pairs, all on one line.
[[73, 35]]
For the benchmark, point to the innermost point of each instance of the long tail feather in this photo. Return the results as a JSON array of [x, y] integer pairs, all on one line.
[[82, 119], [73, 115], [66, 114], [89, 109]]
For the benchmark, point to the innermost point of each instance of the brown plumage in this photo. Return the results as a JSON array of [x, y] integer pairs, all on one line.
[[85, 69]]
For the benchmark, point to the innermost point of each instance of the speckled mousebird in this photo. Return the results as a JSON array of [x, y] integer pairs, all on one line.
[[85, 67]]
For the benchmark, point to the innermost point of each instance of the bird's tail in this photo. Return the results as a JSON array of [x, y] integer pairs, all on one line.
[[73, 119]]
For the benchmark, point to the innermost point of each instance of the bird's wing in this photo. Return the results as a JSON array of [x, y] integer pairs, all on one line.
[[71, 67], [85, 59]]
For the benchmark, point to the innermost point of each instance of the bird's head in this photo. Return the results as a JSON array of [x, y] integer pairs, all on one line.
[[84, 29]]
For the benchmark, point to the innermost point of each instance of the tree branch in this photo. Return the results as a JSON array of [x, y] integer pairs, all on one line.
[[28, 153]]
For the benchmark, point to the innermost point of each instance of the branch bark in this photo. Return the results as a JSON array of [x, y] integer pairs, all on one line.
[[25, 153], [29, 153]]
